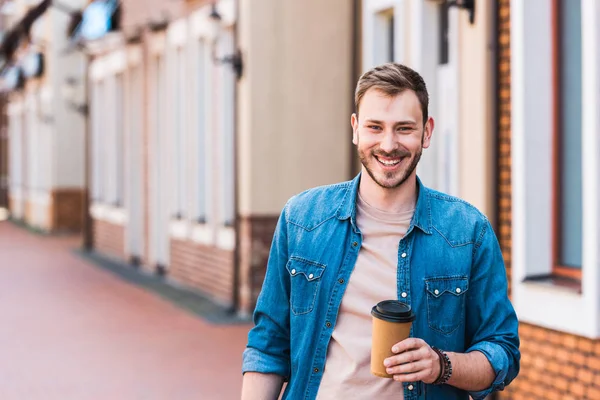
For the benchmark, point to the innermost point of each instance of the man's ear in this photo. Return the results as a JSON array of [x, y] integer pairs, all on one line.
[[428, 132], [354, 123]]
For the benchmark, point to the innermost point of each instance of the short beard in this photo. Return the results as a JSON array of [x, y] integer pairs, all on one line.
[[404, 174]]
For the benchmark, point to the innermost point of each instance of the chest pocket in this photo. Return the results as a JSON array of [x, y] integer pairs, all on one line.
[[446, 302], [305, 277]]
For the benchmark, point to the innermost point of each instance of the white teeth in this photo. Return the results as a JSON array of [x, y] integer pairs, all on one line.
[[388, 163]]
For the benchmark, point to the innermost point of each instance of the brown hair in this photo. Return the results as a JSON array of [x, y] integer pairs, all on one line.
[[392, 79]]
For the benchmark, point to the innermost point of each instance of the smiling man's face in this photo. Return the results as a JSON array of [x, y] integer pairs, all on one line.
[[390, 136]]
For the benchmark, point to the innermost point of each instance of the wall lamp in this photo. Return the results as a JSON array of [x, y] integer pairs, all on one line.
[[235, 59], [468, 5]]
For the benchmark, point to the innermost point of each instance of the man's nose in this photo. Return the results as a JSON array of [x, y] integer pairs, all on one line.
[[388, 142]]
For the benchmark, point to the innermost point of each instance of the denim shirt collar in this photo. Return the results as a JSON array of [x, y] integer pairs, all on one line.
[[421, 218]]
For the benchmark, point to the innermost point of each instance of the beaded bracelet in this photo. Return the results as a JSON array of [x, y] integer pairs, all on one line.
[[445, 367]]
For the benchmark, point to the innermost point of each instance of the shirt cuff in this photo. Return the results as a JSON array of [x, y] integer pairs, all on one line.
[[499, 361], [257, 361]]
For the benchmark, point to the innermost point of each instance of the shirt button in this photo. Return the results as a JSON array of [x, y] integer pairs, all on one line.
[[341, 280], [410, 387], [354, 244], [293, 272], [311, 276], [328, 324], [436, 291], [404, 294], [457, 290], [316, 370], [403, 255]]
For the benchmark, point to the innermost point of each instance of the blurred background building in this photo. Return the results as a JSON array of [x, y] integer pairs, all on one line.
[[171, 133]]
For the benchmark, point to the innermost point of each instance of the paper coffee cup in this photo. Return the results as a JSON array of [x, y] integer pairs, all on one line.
[[391, 324]]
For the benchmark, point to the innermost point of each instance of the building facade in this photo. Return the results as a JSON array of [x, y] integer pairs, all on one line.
[[45, 133], [455, 57], [183, 149], [548, 152], [179, 153]]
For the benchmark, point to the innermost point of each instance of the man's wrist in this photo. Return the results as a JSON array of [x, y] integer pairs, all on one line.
[[445, 367]]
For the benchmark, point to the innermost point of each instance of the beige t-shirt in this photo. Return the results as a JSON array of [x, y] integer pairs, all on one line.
[[347, 373]]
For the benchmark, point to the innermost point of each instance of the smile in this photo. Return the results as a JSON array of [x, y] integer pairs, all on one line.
[[388, 163]]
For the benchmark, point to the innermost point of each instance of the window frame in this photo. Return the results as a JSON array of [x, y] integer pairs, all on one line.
[[538, 301], [568, 276]]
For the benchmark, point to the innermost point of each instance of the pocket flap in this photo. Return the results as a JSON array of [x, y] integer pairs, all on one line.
[[311, 270], [455, 285]]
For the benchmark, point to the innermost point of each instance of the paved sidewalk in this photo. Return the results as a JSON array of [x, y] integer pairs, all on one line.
[[72, 330]]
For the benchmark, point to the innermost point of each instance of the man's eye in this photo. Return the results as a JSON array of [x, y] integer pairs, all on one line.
[[374, 127]]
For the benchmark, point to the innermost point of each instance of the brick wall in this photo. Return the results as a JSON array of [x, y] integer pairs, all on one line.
[[109, 239], [504, 155], [256, 235], [67, 212], [554, 365], [206, 268]]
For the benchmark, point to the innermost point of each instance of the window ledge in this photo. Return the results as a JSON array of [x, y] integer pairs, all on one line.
[[223, 237], [226, 238], [202, 233], [179, 229], [541, 302], [109, 213], [556, 283]]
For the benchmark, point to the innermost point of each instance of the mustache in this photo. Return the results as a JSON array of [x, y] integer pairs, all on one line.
[[394, 154]]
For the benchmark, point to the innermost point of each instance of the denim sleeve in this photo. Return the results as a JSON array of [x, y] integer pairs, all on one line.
[[492, 325], [268, 348]]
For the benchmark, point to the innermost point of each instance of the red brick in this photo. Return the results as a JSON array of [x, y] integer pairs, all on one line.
[[594, 363], [585, 345], [570, 371], [109, 239], [579, 359], [553, 395], [587, 376], [570, 341], [593, 392], [561, 383]]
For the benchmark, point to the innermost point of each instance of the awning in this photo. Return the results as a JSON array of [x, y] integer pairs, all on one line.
[[12, 79], [99, 18], [32, 15], [21, 30]]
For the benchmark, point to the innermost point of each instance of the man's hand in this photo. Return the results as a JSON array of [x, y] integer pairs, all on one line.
[[414, 361]]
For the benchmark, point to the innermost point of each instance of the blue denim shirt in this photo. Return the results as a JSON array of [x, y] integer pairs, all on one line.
[[448, 246]]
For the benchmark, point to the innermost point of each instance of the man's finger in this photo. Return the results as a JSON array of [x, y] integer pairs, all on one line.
[[408, 368], [415, 377], [403, 358], [407, 344]]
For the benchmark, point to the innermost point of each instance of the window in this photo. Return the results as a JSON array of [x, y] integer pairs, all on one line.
[[568, 198], [158, 155], [385, 29], [541, 83], [443, 30], [179, 147], [202, 124], [109, 140], [227, 80], [97, 142], [119, 142], [32, 147], [384, 36], [16, 151]]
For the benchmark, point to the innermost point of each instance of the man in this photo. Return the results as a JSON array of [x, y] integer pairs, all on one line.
[[340, 249]]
